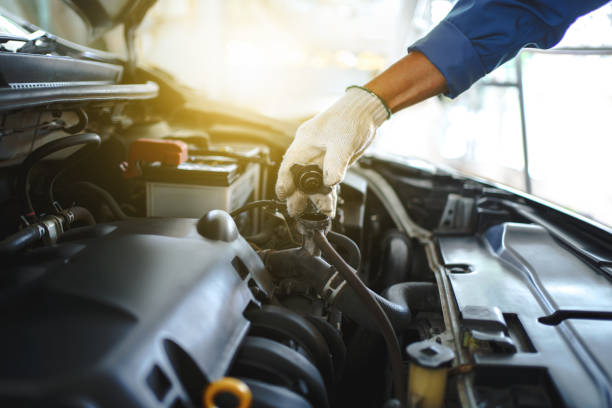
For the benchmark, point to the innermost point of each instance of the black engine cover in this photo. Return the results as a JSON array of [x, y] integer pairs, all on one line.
[[141, 312]]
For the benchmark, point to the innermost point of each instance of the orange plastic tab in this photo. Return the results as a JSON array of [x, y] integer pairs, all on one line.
[[171, 152]]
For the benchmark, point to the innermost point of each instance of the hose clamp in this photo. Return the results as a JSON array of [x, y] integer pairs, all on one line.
[[329, 291], [53, 229], [68, 216]]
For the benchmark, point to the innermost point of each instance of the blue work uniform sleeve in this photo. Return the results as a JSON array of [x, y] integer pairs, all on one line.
[[477, 36]]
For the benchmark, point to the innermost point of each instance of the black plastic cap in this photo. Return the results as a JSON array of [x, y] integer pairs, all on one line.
[[309, 179], [430, 354], [218, 225]]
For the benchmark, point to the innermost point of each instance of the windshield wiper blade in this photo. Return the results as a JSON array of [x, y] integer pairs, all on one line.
[[63, 47]]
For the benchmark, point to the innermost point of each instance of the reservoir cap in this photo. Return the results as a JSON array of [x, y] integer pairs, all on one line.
[[430, 354]]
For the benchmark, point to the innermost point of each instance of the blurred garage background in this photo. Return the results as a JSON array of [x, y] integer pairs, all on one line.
[[541, 123]]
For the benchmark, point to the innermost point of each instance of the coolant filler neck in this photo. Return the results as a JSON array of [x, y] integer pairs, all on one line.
[[309, 180], [308, 225]]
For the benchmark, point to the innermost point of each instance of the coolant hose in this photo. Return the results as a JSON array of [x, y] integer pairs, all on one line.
[[108, 199], [36, 232], [374, 307], [348, 247], [421, 296], [398, 302], [82, 215], [90, 139], [298, 263], [21, 239], [399, 314]]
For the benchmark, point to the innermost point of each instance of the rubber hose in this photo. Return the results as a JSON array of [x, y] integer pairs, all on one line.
[[42, 152], [82, 215], [347, 246], [375, 309], [252, 205], [399, 302], [297, 262], [81, 124], [108, 199], [421, 296], [91, 142], [290, 263], [259, 238], [21, 239], [350, 304], [396, 259]]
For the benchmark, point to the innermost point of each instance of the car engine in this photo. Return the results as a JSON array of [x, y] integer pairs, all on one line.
[[126, 304], [147, 263]]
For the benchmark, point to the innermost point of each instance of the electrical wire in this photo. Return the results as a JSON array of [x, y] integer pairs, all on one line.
[[255, 204], [277, 206], [382, 320], [51, 126], [289, 233]]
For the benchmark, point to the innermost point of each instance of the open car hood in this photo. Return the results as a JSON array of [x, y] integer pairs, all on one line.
[[103, 15]]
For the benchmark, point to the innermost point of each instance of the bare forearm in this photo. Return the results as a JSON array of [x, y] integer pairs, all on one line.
[[410, 80]]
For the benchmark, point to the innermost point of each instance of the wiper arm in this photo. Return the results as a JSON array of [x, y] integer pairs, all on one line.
[[6, 38], [42, 42], [38, 43]]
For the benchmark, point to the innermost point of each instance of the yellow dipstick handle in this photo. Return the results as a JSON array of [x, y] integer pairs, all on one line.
[[231, 386]]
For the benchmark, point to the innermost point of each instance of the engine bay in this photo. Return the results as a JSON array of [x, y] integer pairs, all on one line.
[[147, 262]]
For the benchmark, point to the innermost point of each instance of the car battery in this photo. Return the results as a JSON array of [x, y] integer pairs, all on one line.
[[193, 185], [197, 186]]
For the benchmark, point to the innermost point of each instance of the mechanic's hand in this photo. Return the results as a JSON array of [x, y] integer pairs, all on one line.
[[332, 140]]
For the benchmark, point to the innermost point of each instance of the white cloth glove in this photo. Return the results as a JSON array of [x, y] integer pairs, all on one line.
[[332, 140]]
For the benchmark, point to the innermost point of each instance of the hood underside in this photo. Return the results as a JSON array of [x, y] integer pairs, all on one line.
[[104, 15]]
